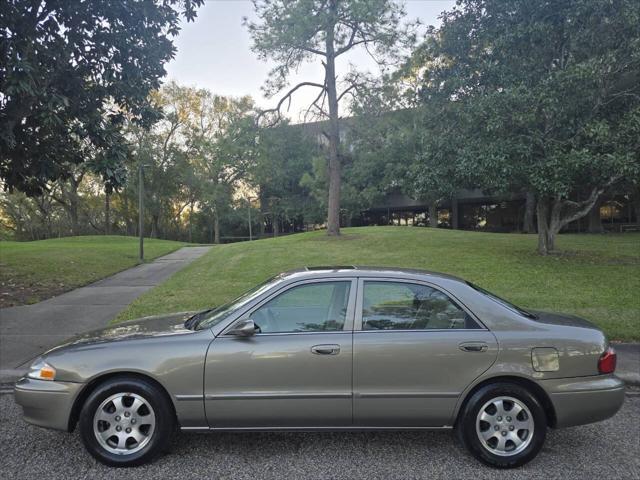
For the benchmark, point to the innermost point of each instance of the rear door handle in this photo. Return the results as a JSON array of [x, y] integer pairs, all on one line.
[[325, 349], [473, 347]]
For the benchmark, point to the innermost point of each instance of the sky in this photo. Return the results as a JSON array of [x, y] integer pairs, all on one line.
[[214, 52]]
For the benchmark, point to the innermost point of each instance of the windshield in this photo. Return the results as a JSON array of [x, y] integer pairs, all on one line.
[[502, 301], [211, 317]]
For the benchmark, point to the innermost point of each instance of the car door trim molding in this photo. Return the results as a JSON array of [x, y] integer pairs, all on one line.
[[406, 394], [279, 334], [183, 398], [275, 395]]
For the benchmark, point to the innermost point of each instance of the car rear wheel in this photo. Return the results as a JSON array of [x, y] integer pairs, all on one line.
[[503, 425], [126, 421]]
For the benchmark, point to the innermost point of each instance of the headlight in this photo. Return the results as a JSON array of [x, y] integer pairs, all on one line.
[[41, 370]]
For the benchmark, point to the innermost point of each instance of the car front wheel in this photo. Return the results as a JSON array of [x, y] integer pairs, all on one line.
[[503, 425], [126, 421]]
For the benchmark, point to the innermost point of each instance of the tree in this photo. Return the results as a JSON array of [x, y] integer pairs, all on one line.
[[71, 72], [291, 32], [284, 155], [547, 96], [160, 150], [399, 143], [382, 147], [192, 157], [220, 141]]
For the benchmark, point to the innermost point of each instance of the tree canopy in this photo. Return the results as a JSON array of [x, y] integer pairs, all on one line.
[[536, 96], [72, 72], [530, 100]]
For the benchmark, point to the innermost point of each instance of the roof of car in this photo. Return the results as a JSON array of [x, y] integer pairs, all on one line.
[[367, 271]]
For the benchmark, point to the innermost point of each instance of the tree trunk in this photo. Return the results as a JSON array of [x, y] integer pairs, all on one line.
[[216, 227], [554, 213], [333, 214], [454, 213], [261, 215], [545, 241], [127, 219], [635, 200], [154, 226], [107, 213], [191, 223], [261, 224], [433, 215], [595, 222], [72, 210], [528, 225], [276, 225]]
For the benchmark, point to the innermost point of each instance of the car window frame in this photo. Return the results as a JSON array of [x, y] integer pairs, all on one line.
[[357, 326], [349, 316]]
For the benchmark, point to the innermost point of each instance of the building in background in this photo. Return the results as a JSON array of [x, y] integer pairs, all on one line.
[[478, 210]]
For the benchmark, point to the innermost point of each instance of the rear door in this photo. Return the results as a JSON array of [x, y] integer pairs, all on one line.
[[415, 351], [297, 371]]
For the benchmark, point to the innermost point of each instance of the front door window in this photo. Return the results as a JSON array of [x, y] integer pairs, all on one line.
[[314, 307]]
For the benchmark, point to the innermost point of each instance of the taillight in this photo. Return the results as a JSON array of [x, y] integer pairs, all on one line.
[[607, 362]]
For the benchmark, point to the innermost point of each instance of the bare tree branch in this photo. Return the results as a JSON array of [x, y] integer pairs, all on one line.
[[321, 97], [347, 90], [287, 97], [312, 50], [349, 44]]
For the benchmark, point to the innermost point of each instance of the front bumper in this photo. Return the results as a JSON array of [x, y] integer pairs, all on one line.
[[46, 403], [582, 400]]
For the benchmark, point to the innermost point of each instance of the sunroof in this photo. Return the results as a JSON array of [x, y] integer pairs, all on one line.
[[332, 267]]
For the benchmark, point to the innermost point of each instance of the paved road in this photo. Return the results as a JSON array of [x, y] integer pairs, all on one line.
[[628, 367], [608, 449], [28, 330]]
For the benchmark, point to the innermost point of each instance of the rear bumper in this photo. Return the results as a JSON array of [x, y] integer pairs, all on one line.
[[45, 403], [582, 400]]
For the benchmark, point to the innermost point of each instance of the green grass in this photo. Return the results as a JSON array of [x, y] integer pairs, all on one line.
[[32, 271], [594, 276]]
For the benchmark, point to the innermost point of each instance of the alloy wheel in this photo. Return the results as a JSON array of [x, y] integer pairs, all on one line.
[[124, 423], [504, 426]]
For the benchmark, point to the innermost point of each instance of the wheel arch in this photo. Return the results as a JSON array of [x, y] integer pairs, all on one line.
[[527, 383], [98, 380]]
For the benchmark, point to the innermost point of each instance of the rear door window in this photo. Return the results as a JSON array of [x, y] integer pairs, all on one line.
[[410, 306]]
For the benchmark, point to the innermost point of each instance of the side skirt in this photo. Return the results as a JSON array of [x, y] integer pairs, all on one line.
[[310, 429]]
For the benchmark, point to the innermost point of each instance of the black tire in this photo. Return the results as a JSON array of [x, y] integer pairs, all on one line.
[[466, 425], [158, 441]]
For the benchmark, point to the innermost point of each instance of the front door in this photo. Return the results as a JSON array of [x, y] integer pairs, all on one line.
[[294, 373], [415, 351]]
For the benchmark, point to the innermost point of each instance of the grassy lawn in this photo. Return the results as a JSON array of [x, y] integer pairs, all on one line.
[[33, 271], [595, 276]]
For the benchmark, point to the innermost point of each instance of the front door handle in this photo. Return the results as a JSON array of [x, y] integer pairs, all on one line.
[[325, 349], [473, 347]]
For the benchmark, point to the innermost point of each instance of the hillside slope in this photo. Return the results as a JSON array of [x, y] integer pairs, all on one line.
[[595, 276]]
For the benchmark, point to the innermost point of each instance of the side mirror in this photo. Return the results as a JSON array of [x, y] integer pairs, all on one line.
[[245, 328]]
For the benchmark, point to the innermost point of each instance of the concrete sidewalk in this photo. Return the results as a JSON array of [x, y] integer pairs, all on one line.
[[28, 330]]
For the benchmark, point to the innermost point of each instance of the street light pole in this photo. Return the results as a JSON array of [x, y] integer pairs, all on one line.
[[140, 210]]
